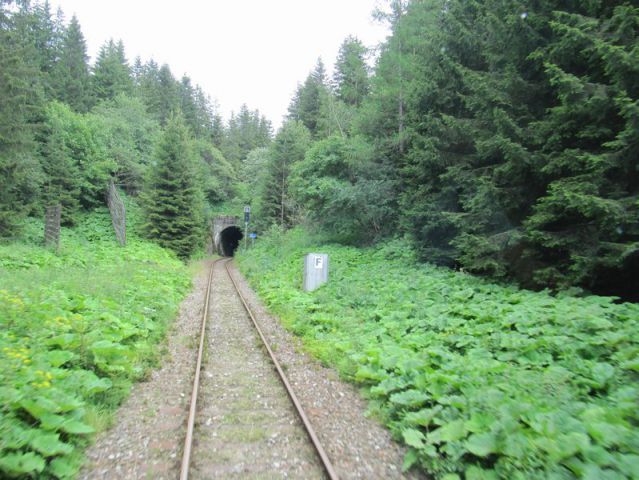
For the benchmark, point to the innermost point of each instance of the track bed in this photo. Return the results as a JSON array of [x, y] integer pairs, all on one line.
[[246, 425]]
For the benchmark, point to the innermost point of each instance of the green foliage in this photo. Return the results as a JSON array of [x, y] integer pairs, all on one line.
[[479, 380], [130, 136], [71, 72], [290, 145], [346, 193], [21, 104], [351, 72], [306, 106], [74, 160], [513, 130], [585, 225], [218, 176], [111, 73], [246, 131], [71, 347], [173, 198]]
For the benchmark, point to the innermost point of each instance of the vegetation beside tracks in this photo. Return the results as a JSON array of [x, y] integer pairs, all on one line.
[[76, 329], [479, 380]]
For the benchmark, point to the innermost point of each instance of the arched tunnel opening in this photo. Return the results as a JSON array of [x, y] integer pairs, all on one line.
[[230, 239]]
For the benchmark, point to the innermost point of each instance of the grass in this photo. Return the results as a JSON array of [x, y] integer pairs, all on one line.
[[77, 328], [481, 381]]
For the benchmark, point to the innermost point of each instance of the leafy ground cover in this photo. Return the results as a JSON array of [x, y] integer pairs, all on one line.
[[481, 381], [76, 328]]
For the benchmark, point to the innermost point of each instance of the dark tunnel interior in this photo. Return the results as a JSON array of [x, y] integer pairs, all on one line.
[[230, 239]]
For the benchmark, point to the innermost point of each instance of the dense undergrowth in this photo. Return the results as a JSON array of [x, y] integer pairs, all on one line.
[[481, 381], [76, 328]]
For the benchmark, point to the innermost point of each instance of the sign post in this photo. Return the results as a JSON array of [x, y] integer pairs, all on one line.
[[315, 271], [247, 216]]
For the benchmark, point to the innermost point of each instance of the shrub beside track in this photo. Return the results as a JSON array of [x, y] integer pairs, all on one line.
[[480, 380]]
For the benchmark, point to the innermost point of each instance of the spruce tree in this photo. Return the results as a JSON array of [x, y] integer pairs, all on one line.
[[306, 105], [186, 93], [289, 146], [21, 106], [72, 80], [351, 72], [63, 178], [172, 199], [167, 94], [584, 228], [111, 73]]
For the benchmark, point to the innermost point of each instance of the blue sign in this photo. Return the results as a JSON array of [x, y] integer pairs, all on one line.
[[252, 235]]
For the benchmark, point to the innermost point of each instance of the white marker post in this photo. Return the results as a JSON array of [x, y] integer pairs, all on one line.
[[315, 271]]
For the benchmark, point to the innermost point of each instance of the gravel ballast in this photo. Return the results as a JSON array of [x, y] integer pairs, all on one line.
[[245, 427]]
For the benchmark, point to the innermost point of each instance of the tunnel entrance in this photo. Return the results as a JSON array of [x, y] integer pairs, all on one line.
[[230, 239]]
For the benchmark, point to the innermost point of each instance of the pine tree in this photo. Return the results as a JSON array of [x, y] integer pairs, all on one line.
[[21, 106], [46, 33], [306, 105], [63, 179], [246, 131], [172, 199], [188, 107], [289, 146], [167, 94], [111, 73], [72, 80], [351, 72], [584, 228]]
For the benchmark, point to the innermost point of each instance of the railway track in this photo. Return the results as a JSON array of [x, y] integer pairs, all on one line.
[[189, 454]]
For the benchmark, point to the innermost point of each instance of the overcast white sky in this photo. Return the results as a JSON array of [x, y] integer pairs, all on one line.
[[239, 51]]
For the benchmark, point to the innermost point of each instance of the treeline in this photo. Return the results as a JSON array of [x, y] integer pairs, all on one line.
[[501, 136], [68, 127]]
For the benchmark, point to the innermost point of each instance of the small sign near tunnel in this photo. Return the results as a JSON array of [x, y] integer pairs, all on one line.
[[315, 271]]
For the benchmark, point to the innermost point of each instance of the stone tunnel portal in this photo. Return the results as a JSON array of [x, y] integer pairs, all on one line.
[[229, 240], [226, 235]]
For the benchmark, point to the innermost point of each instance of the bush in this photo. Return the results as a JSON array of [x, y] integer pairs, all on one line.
[[479, 380], [76, 329]]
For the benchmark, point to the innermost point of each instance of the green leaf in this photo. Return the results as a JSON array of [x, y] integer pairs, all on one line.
[[607, 433], [50, 445], [16, 437], [476, 473], [413, 437], [482, 444], [451, 476], [602, 373], [22, 463], [97, 385], [76, 427], [62, 468], [422, 417], [631, 365], [409, 460], [51, 421], [40, 406], [409, 398], [450, 432], [59, 357], [629, 465]]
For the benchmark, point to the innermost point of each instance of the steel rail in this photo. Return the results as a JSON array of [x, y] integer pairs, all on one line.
[[188, 442], [326, 463]]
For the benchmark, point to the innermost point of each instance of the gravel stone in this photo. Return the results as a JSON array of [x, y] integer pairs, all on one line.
[[150, 425], [358, 447], [246, 427]]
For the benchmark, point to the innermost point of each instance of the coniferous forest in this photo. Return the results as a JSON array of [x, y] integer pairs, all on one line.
[[496, 138], [500, 138]]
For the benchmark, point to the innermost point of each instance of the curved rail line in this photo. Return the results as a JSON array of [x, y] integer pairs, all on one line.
[[186, 458]]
